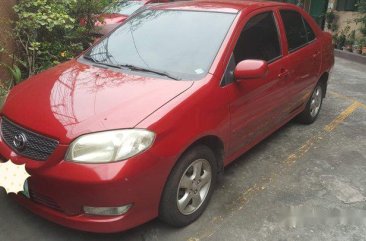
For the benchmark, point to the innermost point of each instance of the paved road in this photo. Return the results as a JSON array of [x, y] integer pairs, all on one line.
[[302, 183]]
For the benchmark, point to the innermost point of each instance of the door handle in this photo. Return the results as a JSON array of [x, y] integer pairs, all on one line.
[[316, 54], [284, 73]]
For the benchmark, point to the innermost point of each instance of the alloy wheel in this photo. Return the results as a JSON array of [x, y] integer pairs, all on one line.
[[316, 101], [194, 186]]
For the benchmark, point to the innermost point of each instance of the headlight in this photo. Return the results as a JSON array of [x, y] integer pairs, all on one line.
[[109, 146]]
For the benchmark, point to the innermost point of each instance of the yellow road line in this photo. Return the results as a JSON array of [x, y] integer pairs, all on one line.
[[341, 117], [363, 105], [217, 222]]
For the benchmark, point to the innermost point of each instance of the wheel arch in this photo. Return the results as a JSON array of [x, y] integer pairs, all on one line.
[[215, 144]]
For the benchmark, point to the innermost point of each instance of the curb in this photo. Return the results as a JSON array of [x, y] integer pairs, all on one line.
[[350, 56]]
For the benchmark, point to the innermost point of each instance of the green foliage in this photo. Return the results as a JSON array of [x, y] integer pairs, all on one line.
[[340, 38], [44, 15], [39, 30], [363, 42], [48, 32], [351, 38], [330, 20], [361, 6], [15, 74]]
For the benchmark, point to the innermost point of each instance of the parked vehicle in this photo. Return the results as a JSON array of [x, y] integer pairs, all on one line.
[[117, 12], [141, 125]]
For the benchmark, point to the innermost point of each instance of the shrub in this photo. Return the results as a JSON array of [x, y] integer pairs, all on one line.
[[330, 19], [48, 32]]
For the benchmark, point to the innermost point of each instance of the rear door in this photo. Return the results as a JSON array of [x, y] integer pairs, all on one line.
[[303, 56]]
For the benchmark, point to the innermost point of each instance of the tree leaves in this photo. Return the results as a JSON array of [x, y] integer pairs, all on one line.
[[46, 28]]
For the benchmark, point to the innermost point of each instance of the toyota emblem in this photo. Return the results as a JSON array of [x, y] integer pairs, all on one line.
[[20, 141]]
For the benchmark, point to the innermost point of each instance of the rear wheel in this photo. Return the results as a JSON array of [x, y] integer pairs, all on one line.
[[189, 187], [312, 109]]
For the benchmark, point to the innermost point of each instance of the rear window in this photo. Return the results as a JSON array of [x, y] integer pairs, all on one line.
[[295, 29]]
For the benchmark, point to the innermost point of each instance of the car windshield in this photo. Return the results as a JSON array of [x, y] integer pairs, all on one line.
[[124, 7], [173, 42]]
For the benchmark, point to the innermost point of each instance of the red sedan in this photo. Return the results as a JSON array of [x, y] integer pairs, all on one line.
[[117, 12], [141, 125]]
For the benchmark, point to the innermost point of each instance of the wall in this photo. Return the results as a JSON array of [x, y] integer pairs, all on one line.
[[6, 14], [345, 18]]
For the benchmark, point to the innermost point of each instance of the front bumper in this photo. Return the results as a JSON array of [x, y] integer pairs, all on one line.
[[84, 222], [60, 189]]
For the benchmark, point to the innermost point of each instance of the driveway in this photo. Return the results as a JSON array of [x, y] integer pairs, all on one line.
[[301, 183]]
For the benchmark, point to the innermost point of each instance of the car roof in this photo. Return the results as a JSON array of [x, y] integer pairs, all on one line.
[[228, 6]]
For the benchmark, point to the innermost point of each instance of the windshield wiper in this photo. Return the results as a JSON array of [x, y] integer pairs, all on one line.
[[137, 68], [132, 67], [88, 57]]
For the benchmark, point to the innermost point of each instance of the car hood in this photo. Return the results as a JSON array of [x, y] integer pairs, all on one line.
[[72, 99]]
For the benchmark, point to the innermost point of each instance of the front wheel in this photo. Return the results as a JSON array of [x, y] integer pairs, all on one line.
[[312, 109], [189, 187]]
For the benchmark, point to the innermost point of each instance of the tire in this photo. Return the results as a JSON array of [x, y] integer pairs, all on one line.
[[312, 109], [179, 204]]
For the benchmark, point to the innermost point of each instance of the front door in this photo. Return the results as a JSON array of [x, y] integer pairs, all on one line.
[[257, 105]]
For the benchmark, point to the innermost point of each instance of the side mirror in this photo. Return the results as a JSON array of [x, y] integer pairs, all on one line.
[[251, 69]]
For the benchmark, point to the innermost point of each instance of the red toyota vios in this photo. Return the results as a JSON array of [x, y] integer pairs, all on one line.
[[118, 11], [142, 123]]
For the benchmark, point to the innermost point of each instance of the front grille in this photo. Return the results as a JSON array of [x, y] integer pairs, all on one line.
[[37, 147], [46, 201]]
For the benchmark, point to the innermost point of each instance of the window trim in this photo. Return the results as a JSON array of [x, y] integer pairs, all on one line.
[[279, 37], [312, 30], [224, 83]]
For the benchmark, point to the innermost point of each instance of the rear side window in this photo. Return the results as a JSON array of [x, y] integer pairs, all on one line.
[[295, 29], [309, 32], [259, 39]]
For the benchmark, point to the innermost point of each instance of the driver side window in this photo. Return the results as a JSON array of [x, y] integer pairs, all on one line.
[[259, 39]]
